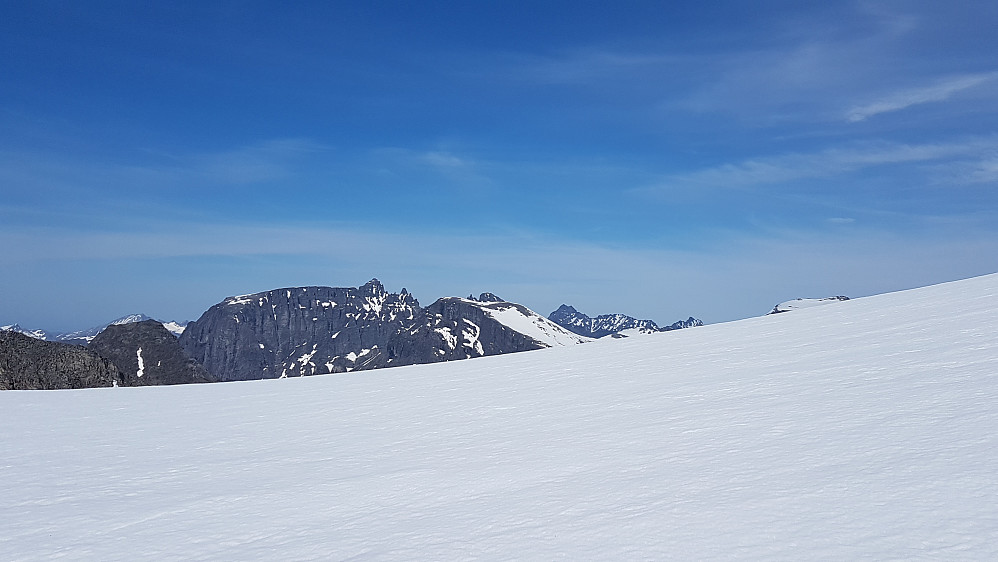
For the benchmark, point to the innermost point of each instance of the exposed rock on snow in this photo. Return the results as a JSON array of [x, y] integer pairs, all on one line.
[[795, 304]]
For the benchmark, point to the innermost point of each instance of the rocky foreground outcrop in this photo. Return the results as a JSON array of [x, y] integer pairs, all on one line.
[[27, 363]]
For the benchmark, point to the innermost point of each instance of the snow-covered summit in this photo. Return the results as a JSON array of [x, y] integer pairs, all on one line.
[[37, 334]]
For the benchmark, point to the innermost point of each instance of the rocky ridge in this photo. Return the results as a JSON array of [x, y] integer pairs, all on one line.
[[28, 363]]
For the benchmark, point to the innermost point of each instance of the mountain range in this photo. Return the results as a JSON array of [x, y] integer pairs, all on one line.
[[302, 331], [611, 324], [316, 330]]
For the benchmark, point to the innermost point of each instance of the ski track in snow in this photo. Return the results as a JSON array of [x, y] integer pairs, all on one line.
[[864, 430]]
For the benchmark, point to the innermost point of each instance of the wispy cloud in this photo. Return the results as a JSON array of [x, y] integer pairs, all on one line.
[[156, 169], [827, 163], [903, 99]]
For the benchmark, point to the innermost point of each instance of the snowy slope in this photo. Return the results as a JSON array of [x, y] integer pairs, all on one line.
[[865, 430], [521, 319]]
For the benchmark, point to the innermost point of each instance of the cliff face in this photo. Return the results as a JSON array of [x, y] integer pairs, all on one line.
[[299, 331], [30, 364], [149, 352]]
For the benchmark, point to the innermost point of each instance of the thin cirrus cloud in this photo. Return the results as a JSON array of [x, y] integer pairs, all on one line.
[[827, 163], [940, 91]]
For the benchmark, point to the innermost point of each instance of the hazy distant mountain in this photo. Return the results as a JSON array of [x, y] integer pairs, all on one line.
[[83, 337], [611, 324]]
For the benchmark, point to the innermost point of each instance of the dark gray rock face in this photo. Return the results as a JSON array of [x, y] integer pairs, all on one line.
[[149, 352], [316, 330], [299, 331], [609, 324], [27, 363]]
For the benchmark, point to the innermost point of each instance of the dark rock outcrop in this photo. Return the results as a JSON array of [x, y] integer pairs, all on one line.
[[299, 331], [609, 324], [27, 363], [149, 352]]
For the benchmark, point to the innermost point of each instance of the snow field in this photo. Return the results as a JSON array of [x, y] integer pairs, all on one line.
[[866, 429]]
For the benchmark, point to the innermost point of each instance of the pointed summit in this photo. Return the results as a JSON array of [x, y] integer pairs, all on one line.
[[374, 286]]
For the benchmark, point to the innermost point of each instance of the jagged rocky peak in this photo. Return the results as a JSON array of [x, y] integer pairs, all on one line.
[[374, 287]]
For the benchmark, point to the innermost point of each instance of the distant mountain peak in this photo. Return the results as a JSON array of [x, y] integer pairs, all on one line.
[[83, 337], [611, 324]]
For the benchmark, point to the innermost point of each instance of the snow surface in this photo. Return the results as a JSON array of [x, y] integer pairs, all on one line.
[[866, 430]]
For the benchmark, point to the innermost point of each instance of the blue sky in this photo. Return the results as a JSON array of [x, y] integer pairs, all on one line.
[[657, 159]]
